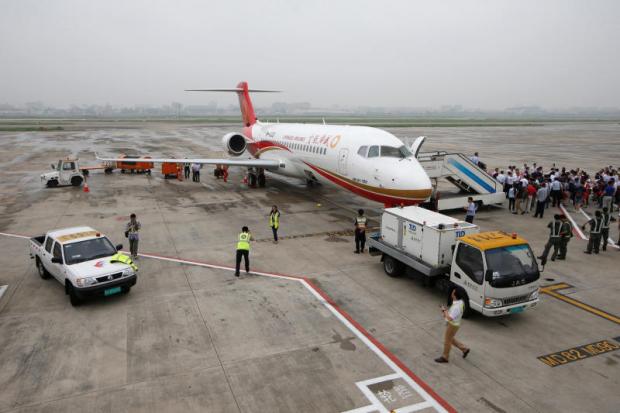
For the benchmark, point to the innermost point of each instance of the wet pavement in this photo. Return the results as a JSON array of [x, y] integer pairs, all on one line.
[[190, 336]]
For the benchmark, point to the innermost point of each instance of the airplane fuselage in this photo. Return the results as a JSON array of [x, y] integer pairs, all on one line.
[[367, 161]]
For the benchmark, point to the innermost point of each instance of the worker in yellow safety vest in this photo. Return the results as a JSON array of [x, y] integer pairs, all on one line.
[[274, 222], [125, 259], [243, 250]]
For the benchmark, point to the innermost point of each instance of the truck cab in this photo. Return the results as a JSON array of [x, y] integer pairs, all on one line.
[[66, 172], [498, 271]]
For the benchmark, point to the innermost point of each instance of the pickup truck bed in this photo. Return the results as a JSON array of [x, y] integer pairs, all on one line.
[[377, 246], [38, 240]]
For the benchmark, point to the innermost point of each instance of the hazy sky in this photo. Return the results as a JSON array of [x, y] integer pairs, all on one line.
[[481, 54]]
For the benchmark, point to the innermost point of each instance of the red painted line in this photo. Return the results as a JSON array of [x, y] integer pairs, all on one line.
[[346, 315], [383, 349]]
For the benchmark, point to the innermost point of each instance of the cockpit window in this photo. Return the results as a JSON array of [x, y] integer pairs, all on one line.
[[362, 151], [392, 152], [373, 152]]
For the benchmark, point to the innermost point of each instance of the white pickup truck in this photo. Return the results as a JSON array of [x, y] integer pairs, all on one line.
[[79, 258]]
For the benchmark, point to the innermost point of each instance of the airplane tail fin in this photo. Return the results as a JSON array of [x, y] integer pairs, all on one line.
[[245, 103]]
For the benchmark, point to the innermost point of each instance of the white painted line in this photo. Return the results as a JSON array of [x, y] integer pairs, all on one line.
[[14, 235], [432, 402], [584, 214], [572, 221], [609, 240], [377, 405], [3, 289]]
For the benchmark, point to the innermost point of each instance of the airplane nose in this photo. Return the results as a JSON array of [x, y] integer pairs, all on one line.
[[411, 177]]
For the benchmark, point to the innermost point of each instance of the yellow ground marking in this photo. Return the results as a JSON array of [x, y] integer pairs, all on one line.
[[553, 289]]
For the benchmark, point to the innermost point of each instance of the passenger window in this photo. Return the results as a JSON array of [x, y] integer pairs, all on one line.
[[470, 261], [48, 245], [68, 166], [373, 152], [57, 251], [362, 151]]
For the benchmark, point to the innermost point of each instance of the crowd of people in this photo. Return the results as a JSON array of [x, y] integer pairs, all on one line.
[[534, 188]]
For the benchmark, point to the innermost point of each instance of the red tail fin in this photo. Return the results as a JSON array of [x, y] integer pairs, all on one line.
[[247, 110], [245, 103]]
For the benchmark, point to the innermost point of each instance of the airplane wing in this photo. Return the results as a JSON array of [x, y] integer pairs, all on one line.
[[249, 162]]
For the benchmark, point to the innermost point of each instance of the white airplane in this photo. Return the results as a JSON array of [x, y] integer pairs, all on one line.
[[367, 161]]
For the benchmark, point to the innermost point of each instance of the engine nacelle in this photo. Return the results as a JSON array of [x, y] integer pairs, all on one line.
[[234, 143]]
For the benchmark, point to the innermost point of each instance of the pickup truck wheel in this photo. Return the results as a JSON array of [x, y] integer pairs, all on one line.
[[42, 271], [75, 300], [52, 183], [76, 181], [392, 267]]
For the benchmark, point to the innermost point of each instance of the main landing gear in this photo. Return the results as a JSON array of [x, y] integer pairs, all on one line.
[[256, 176]]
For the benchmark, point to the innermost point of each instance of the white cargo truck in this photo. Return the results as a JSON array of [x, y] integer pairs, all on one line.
[[498, 271]]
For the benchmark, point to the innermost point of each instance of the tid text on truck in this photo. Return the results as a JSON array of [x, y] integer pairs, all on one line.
[[498, 271], [80, 258]]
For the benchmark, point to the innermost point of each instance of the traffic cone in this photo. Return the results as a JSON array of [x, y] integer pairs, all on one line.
[[86, 189]]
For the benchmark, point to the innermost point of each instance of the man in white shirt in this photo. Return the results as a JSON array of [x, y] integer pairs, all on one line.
[[556, 192], [453, 319], [475, 159], [501, 178]]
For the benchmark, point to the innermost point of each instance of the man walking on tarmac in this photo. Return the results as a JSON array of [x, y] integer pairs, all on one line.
[[605, 227], [360, 231], [243, 250], [554, 240], [132, 230], [596, 224], [566, 233]]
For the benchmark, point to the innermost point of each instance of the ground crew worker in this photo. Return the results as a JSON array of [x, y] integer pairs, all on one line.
[[471, 210], [132, 230], [125, 259], [596, 225], [605, 227], [274, 222], [243, 250], [186, 169], [453, 322], [566, 233], [554, 240], [360, 231]]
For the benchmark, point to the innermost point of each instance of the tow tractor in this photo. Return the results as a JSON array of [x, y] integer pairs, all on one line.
[[498, 271], [66, 172]]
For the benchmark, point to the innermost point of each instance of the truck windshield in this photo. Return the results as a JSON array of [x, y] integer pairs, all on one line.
[[512, 266], [91, 249]]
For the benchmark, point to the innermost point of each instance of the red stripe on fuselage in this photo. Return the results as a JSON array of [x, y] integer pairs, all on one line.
[[385, 199], [257, 147]]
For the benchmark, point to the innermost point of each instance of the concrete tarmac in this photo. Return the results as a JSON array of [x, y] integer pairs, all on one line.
[[192, 337]]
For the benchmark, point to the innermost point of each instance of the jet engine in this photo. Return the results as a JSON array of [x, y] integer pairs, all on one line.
[[234, 143]]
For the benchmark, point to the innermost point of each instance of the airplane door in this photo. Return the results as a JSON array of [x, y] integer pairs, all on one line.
[[342, 161]]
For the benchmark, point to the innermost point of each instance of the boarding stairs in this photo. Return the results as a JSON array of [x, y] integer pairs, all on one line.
[[460, 171]]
